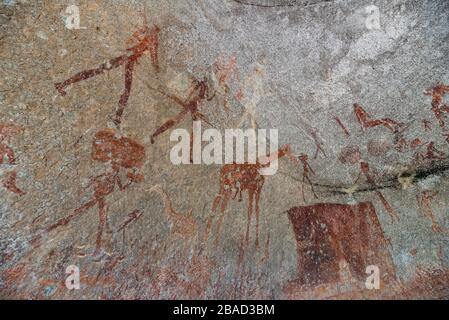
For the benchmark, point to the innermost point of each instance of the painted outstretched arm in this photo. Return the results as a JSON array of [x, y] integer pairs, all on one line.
[[83, 75]]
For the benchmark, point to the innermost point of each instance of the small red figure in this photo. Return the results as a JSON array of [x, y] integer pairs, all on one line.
[[235, 178], [305, 175], [431, 153], [145, 40], [364, 169], [366, 122], [424, 203], [120, 153], [10, 184], [197, 94], [437, 93], [7, 131], [314, 133], [226, 74]]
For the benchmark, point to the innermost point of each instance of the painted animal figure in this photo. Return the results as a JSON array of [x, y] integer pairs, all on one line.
[[183, 225], [237, 178], [121, 153], [366, 121], [144, 40]]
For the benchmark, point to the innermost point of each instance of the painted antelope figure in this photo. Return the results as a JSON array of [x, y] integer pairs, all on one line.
[[143, 41], [237, 178], [121, 153], [182, 224], [366, 122]]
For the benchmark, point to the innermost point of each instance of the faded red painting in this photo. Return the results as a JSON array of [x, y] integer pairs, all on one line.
[[7, 155]]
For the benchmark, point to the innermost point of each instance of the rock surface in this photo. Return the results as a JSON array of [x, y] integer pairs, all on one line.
[[358, 89]]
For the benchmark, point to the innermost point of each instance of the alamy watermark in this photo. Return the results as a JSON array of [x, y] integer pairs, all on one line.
[[72, 282], [373, 280], [72, 18], [189, 149]]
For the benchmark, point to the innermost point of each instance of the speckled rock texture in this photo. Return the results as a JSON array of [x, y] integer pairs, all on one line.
[[359, 93]]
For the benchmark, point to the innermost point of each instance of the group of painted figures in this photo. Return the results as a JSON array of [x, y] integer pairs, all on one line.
[[125, 156]]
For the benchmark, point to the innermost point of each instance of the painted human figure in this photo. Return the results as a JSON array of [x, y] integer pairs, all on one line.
[[254, 86], [123, 154], [424, 202], [144, 40], [365, 170], [307, 170], [197, 95], [225, 75]]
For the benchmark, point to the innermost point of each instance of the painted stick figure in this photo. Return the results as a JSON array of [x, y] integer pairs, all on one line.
[[144, 40], [364, 169], [198, 94], [255, 84], [424, 202], [225, 74], [314, 133], [120, 153], [307, 169]]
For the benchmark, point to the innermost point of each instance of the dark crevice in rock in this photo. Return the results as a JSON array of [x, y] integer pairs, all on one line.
[[391, 182], [281, 3]]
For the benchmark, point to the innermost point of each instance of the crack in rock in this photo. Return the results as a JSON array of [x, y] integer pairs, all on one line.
[[281, 3]]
